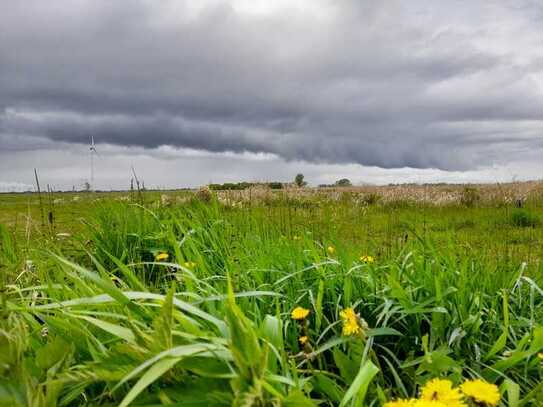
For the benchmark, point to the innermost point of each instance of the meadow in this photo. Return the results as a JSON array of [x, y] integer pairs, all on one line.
[[298, 297]]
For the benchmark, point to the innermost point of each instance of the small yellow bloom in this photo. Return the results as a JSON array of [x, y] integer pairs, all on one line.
[[190, 265], [347, 313], [350, 328], [303, 340], [162, 256], [331, 250], [296, 237], [367, 259], [442, 391], [400, 403], [481, 392], [350, 322], [299, 313], [540, 355]]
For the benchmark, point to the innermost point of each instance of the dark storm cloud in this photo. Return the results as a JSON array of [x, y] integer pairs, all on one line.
[[376, 83]]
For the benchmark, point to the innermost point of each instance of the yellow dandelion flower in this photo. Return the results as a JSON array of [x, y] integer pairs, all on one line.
[[331, 250], [367, 259], [350, 322], [303, 340], [189, 264], [347, 313], [443, 391], [481, 392], [350, 328], [540, 355], [400, 403], [299, 313], [162, 256]]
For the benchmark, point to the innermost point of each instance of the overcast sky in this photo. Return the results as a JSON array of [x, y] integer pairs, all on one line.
[[189, 92]]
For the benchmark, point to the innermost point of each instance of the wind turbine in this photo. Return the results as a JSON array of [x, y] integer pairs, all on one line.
[[92, 153]]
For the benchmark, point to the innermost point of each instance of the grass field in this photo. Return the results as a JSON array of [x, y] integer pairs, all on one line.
[[312, 297]]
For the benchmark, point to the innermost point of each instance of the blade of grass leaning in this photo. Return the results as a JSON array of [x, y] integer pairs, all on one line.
[[357, 391], [157, 370]]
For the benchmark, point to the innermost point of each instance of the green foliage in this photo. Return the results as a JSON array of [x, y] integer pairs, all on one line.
[[95, 319], [275, 185], [230, 186], [343, 182], [523, 219], [299, 180]]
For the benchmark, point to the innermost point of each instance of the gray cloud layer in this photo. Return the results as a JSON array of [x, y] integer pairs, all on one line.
[[451, 85]]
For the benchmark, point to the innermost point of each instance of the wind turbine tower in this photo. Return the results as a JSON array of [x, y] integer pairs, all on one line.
[[92, 153]]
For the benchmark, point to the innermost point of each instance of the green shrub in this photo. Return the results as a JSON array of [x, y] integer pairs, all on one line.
[[230, 186], [275, 185], [523, 219], [344, 182]]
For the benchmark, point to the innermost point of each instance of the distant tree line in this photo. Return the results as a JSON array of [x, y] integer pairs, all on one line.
[[343, 182], [299, 181], [239, 186]]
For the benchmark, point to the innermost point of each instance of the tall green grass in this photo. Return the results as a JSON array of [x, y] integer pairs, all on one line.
[[95, 320]]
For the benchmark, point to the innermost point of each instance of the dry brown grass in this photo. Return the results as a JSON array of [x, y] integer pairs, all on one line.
[[514, 193]]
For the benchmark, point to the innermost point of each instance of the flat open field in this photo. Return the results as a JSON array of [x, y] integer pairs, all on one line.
[[299, 297]]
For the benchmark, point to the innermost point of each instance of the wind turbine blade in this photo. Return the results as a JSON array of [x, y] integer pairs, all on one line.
[[93, 146]]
